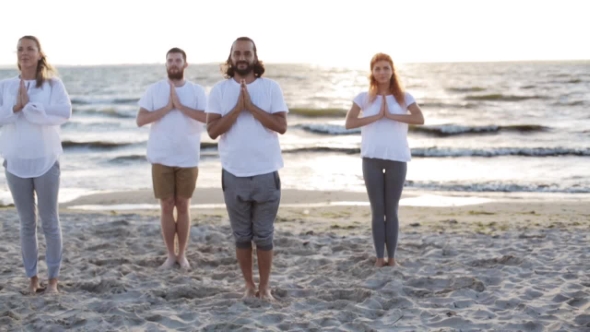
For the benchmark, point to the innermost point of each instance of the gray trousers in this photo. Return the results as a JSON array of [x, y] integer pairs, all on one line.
[[252, 204], [384, 180], [46, 188]]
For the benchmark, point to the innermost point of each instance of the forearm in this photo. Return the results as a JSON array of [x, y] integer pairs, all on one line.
[[221, 125], [37, 114], [268, 120], [146, 117], [8, 114], [193, 113], [63, 110], [352, 123], [59, 110], [416, 119]]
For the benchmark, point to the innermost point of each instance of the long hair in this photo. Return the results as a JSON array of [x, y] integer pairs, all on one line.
[[44, 70], [227, 68], [394, 85]]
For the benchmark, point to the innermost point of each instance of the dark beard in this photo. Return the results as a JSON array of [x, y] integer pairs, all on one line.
[[176, 76], [245, 71]]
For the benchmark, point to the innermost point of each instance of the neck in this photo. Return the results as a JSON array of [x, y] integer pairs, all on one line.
[[383, 89], [178, 83], [249, 78], [28, 73]]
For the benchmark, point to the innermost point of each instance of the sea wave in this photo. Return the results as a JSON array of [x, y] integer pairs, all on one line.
[[454, 130], [497, 187], [103, 101], [108, 145], [502, 97], [437, 130], [102, 145], [114, 112], [466, 89], [318, 112], [438, 152]]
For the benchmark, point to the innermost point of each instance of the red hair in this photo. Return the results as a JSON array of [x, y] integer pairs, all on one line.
[[394, 85]]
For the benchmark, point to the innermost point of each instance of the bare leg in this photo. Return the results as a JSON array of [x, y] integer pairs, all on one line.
[[245, 261], [391, 262], [264, 267], [168, 230], [183, 227]]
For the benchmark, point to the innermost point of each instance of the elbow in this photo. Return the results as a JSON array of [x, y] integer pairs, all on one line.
[[212, 134], [417, 120], [282, 129], [139, 123], [347, 125], [70, 111]]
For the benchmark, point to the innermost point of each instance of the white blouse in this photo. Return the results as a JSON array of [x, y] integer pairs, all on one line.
[[29, 140], [384, 138]]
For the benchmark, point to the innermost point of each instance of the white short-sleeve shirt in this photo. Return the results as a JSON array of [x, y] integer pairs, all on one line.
[[248, 148], [384, 138], [175, 139]]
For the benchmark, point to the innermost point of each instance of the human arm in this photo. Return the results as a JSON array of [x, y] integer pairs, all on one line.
[[217, 124], [8, 111], [415, 117], [146, 115], [54, 113], [276, 121], [354, 121], [197, 113]]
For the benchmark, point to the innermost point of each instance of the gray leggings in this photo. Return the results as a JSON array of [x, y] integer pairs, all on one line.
[[384, 180], [23, 193]]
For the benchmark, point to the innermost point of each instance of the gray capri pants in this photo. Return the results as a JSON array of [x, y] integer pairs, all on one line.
[[252, 204]]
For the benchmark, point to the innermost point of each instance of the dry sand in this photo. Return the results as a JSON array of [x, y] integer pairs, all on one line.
[[513, 264]]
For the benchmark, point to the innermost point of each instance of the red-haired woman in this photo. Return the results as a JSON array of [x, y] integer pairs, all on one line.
[[386, 112]]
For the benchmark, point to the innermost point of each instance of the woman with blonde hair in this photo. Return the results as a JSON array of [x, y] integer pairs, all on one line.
[[386, 112], [33, 105]]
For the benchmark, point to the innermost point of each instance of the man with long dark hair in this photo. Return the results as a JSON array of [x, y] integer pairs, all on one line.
[[248, 112]]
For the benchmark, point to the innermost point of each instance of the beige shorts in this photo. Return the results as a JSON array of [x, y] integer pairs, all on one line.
[[174, 181]]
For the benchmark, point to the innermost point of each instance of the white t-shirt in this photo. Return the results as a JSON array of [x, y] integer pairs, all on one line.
[[175, 139], [30, 140], [248, 148], [384, 138]]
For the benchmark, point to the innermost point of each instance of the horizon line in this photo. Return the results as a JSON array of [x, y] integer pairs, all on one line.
[[12, 66]]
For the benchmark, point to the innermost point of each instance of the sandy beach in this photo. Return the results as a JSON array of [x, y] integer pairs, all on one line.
[[494, 263]]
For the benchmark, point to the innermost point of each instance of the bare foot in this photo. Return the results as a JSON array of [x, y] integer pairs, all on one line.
[[250, 292], [391, 262], [34, 285], [184, 264], [169, 263], [379, 262], [52, 287], [264, 294]]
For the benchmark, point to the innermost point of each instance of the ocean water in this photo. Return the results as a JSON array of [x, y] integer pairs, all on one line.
[[490, 127]]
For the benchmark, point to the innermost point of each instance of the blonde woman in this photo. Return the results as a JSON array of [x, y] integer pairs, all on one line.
[[386, 112], [33, 105]]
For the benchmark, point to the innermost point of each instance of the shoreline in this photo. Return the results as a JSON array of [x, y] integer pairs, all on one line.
[[212, 198]]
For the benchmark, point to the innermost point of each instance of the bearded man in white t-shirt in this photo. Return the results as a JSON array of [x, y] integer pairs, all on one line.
[[247, 112], [175, 110]]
